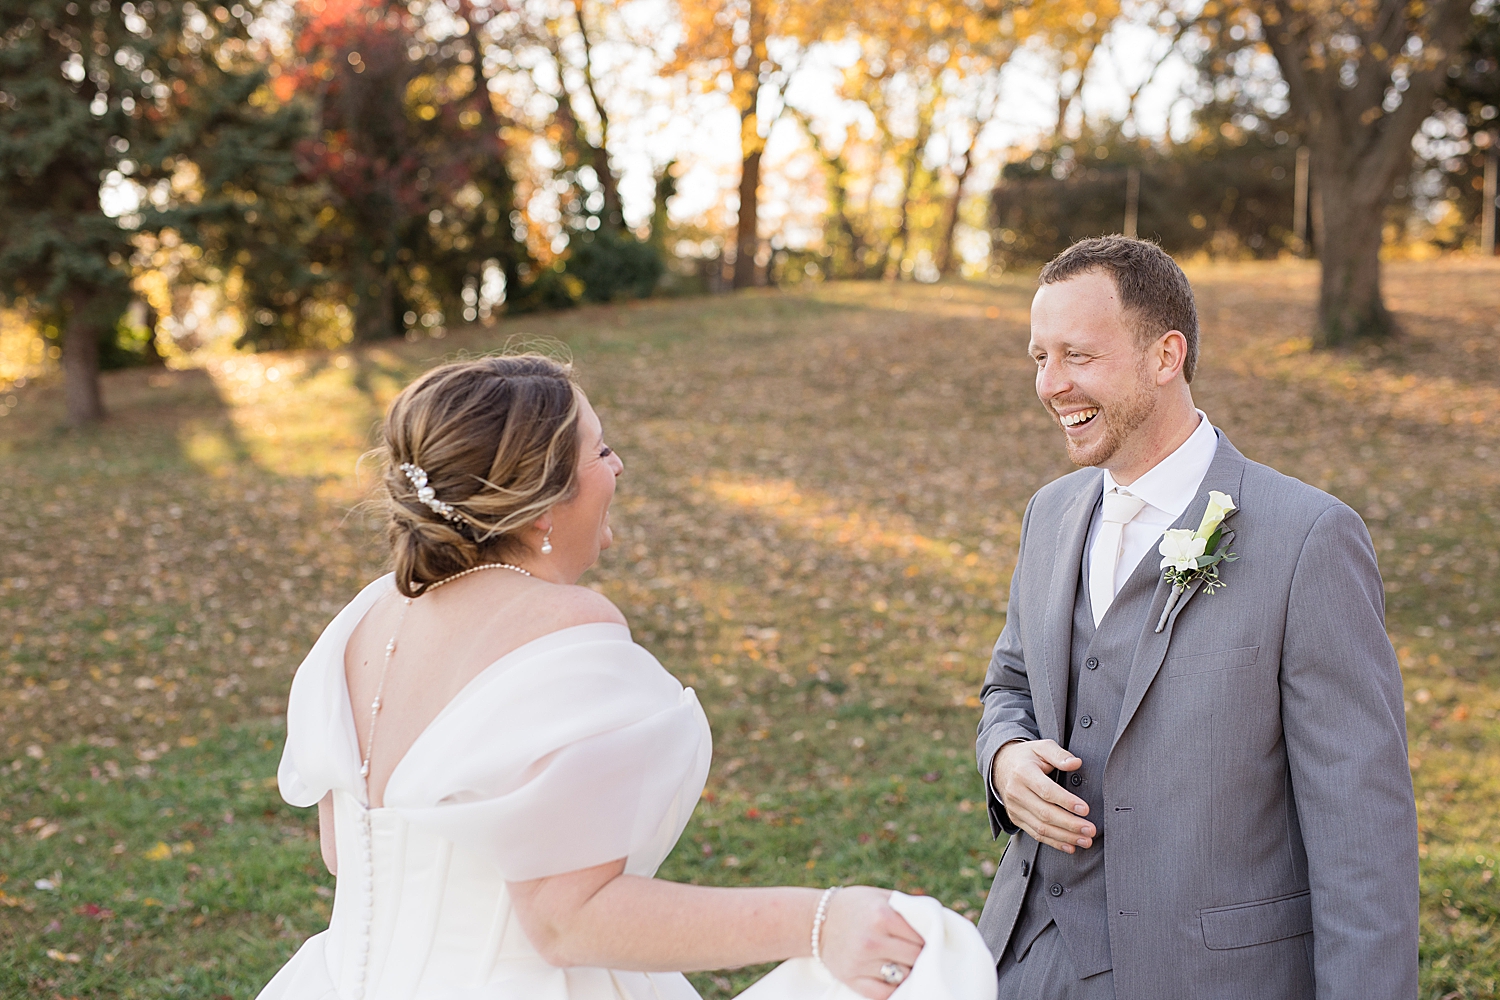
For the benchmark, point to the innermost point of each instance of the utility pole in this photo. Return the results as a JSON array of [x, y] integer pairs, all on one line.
[[1132, 200], [1491, 169], [1299, 201]]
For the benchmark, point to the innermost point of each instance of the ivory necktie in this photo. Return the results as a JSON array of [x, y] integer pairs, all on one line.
[[1119, 509]]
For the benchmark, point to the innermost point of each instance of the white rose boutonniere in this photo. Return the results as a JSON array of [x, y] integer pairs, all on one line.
[[1191, 556]]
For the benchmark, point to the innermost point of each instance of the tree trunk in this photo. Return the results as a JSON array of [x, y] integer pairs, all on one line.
[[895, 251], [666, 189], [1350, 307], [899, 247], [613, 217], [747, 240], [1066, 98], [1359, 143], [945, 257], [375, 317], [375, 296], [80, 358], [838, 205]]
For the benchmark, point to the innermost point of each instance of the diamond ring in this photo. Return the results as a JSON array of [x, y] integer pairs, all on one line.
[[892, 974]]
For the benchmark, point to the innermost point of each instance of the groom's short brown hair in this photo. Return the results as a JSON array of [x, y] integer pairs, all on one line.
[[1153, 290]]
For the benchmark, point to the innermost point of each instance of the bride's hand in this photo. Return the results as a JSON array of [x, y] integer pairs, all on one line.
[[862, 933]]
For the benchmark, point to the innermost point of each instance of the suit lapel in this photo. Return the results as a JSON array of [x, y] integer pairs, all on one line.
[[1057, 629], [1225, 475]]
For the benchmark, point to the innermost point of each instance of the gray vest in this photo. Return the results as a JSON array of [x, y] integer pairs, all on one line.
[[1068, 889]]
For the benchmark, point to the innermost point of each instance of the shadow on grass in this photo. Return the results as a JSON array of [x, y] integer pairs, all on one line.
[[149, 631]]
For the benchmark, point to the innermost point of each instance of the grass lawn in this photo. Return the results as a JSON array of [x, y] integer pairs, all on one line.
[[816, 529]]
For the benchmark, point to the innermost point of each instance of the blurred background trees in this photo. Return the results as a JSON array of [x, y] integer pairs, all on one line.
[[175, 176]]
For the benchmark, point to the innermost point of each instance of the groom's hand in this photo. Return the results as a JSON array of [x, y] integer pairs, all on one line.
[[1037, 804]]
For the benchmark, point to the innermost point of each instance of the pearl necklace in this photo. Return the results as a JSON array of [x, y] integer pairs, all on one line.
[[390, 650], [474, 569]]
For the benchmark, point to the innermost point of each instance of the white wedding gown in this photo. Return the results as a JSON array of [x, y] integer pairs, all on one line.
[[573, 750]]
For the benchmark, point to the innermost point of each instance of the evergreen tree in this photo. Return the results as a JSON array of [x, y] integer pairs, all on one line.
[[91, 89]]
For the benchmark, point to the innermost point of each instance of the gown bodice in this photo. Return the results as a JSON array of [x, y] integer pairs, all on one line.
[[571, 751]]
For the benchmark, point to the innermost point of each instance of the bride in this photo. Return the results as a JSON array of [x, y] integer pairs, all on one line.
[[498, 769]]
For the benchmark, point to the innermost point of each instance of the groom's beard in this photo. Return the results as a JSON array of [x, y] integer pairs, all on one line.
[[1115, 423]]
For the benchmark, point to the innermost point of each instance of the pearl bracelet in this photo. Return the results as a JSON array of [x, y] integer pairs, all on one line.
[[817, 927]]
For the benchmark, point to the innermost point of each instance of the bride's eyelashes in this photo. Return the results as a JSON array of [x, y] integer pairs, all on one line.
[[605, 451]]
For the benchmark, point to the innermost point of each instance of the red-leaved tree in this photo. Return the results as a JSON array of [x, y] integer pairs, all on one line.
[[403, 174]]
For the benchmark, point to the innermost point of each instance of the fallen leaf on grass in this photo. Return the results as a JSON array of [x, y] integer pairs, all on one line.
[[59, 956], [41, 826]]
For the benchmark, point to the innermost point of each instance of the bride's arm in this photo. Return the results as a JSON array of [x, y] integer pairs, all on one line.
[[604, 918]]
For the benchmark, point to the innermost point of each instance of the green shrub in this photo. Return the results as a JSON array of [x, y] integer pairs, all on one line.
[[613, 265]]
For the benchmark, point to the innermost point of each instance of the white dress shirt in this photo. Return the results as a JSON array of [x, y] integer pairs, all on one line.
[[1168, 488]]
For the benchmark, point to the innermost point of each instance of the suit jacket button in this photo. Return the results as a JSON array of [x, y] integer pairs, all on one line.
[[1025, 868], [1092, 663], [1086, 721], [1076, 780], [1055, 889]]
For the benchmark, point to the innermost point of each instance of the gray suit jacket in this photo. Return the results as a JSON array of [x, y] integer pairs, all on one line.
[[1259, 828]]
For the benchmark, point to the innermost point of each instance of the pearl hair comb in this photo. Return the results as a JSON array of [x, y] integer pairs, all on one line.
[[427, 494]]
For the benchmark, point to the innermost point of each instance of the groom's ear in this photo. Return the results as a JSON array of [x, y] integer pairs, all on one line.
[[1168, 355]]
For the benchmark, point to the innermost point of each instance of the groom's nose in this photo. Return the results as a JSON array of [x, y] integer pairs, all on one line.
[[1051, 380]]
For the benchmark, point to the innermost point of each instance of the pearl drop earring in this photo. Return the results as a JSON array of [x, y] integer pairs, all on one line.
[[547, 542]]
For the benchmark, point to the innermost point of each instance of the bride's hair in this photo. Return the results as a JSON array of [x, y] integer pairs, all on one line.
[[494, 441]]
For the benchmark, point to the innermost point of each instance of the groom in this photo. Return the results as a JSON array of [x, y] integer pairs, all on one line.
[[1206, 788]]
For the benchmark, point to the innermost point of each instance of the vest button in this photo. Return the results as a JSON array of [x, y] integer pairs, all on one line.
[[1025, 868], [1092, 663], [1055, 889], [1086, 721], [1076, 780]]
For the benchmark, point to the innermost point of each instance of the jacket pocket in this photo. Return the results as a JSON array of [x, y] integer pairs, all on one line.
[[1259, 922], [1202, 663]]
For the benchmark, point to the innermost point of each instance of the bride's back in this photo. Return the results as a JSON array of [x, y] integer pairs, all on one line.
[[442, 643]]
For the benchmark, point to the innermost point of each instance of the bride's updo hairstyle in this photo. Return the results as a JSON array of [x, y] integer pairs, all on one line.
[[497, 439]]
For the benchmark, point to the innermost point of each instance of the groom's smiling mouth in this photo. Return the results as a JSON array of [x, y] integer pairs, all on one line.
[[1078, 417]]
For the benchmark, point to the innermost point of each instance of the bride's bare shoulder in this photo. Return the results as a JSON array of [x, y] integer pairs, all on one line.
[[566, 605]]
